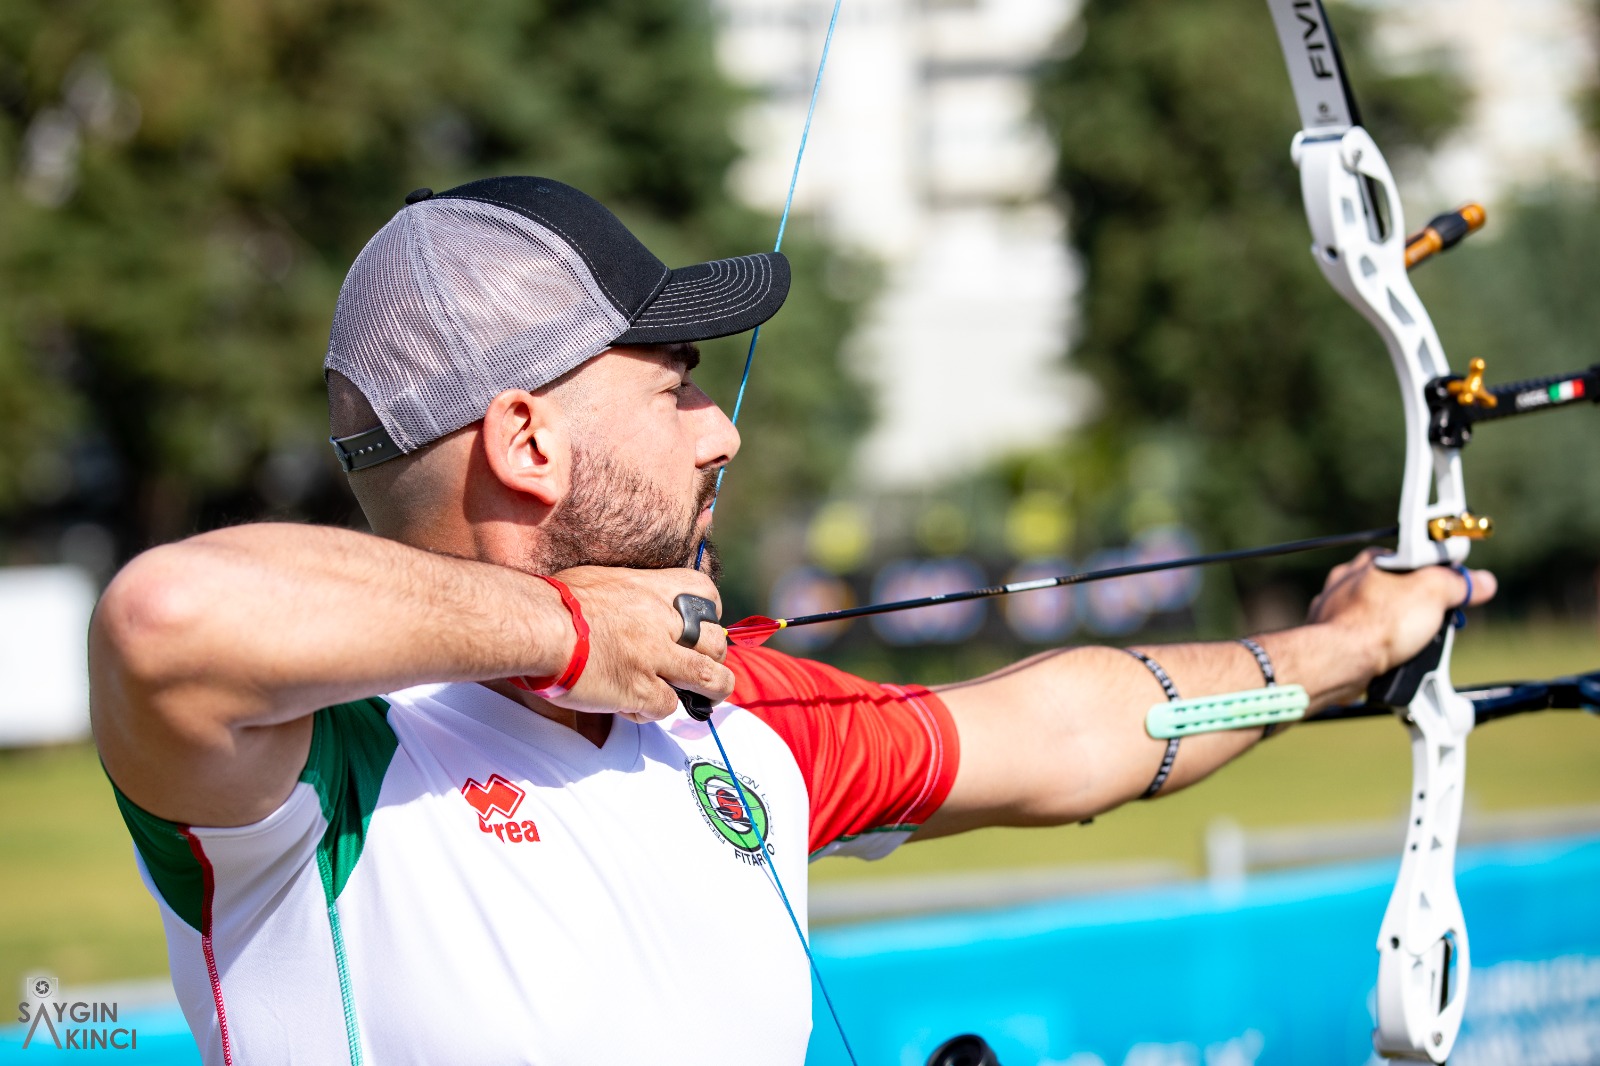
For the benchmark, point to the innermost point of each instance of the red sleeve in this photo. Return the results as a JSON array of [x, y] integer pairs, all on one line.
[[874, 757]]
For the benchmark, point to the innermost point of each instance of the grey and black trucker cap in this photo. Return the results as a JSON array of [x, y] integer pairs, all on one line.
[[509, 283]]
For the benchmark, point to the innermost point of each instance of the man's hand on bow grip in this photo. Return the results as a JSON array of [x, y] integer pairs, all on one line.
[[635, 660], [1390, 617]]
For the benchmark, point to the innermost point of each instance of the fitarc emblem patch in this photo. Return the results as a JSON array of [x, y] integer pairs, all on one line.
[[719, 805]]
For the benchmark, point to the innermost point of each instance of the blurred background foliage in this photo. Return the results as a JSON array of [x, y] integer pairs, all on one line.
[[1212, 335], [190, 183], [1525, 303], [1238, 393]]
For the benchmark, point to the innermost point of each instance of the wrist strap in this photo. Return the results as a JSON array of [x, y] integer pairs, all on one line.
[[1268, 674], [549, 688], [1171, 753], [1263, 660]]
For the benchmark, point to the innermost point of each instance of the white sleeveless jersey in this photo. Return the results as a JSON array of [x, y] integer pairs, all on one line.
[[457, 879]]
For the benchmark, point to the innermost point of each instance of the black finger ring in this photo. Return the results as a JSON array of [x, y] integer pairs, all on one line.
[[694, 609]]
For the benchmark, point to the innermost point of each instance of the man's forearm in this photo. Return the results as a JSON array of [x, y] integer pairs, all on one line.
[[207, 657], [1069, 727], [1330, 668], [269, 622]]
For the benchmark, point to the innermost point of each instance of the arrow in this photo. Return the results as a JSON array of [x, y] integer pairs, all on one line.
[[754, 631]]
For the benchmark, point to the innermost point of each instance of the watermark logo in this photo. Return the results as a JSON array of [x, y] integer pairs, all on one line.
[[70, 1024]]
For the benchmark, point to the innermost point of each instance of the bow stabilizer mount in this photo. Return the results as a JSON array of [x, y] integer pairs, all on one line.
[[1459, 402]]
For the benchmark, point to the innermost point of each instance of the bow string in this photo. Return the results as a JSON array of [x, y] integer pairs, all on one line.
[[766, 861]]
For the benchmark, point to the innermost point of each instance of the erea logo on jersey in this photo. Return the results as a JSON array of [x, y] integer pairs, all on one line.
[[725, 812], [500, 797]]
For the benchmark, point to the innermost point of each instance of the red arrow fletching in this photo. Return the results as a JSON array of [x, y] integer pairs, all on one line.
[[754, 631]]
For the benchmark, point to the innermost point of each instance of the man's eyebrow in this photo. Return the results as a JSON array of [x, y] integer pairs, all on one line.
[[684, 354]]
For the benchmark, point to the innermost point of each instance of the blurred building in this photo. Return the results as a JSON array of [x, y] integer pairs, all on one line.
[[44, 614], [924, 156], [1528, 64]]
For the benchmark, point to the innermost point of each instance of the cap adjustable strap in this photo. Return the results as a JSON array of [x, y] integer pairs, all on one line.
[[361, 450]]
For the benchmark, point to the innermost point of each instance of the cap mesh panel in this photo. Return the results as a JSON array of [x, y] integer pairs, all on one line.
[[452, 303]]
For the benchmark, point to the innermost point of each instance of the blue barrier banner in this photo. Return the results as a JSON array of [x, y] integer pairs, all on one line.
[[1280, 970], [1277, 971]]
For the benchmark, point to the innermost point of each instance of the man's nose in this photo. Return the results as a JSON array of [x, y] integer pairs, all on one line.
[[719, 438]]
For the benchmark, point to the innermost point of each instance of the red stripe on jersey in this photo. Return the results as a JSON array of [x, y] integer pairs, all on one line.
[[872, 755], [207, 947]]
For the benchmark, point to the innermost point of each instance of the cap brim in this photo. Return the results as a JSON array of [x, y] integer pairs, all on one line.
[[715, 299]]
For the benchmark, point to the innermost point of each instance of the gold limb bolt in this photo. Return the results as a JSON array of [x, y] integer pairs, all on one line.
[[1469, 391], [1466, 524]]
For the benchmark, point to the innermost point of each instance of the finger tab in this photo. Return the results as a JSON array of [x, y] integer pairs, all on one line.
[[695, 705]]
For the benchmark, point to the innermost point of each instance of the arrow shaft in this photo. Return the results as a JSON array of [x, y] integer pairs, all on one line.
[[1292, 547]]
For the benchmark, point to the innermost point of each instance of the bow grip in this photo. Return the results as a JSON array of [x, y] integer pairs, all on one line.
[[693, 610], [1398, 686]]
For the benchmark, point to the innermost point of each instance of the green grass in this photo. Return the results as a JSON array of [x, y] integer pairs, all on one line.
[[71, 903]]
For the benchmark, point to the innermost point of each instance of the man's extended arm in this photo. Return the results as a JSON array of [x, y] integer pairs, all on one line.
[[208, 656], [1060, 737]]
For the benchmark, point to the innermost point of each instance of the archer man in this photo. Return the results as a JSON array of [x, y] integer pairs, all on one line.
[[429, 795]]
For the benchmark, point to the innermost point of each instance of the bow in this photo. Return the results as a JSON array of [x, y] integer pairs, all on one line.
[[1355, 217]]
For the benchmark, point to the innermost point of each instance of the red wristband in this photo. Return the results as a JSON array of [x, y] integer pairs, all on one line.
[[550, 688]]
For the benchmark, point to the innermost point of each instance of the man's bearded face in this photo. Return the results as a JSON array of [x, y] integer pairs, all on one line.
[[614, 517]]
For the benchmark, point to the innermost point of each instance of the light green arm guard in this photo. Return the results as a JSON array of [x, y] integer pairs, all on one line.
[[1227, 710]]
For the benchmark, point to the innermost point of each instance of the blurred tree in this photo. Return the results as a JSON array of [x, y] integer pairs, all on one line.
[[190, 182], [1524, 302], [1522, 298], [1258, 405]]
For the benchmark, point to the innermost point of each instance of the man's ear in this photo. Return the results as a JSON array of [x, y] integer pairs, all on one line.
[[528, 446]]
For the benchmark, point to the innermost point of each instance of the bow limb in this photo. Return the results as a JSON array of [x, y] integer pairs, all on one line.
[[1358, 242]]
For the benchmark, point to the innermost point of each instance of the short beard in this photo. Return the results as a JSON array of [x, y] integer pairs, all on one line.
[[613, 517]]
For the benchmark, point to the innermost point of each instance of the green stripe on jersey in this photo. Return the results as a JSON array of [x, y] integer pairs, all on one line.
[[351, 746], [168, 857]]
